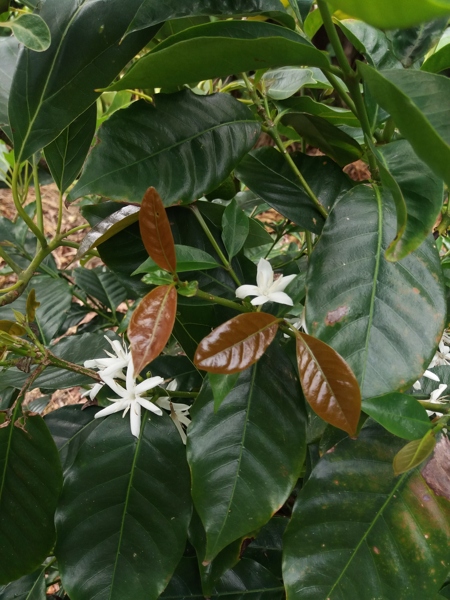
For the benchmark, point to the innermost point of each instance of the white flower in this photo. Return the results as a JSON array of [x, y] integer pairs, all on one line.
[[112, 366], [442, 356], [435, 394], [266, 290], [93, 391], [178, 412], [130, 398]]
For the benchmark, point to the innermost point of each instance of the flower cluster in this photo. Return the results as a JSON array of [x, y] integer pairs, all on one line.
[[441, 358], [130, 397]]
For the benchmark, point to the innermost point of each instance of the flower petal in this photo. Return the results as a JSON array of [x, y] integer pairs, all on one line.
[[163, 402], [436, 393], [259, 300], [148, 384], [135, 419], [431, 375], [112, 408], [247, 290], [280, 284], [417, 385], [149, 406], [114, 386], [264, 276], [281, 298]]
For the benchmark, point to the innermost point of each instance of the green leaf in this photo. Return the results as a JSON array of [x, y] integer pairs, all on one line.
[[400, 414], [122, 518], [422, 119], [217, 50], [385, 319], [145, 15], [284, 82], [235, 228], [66, 154], [372, 43], [267, 174], [410, 45], [46, 81], [418, 190], [188, 259], [55, 297], [374, 535], [102, 285], [214, 135], [386, 15], [333, 114], [414, 453], [267, 547], [29, 587], [261, 447], [31, 31], [30, 471], [249, 579], [440, 59], [9, 52], [221, 386], [322, 134]]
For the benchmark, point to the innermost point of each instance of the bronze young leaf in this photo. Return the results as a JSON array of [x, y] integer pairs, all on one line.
[[155, 231]]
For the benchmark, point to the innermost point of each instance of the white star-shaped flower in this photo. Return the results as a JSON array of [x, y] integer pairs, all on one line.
[[130, 398], [112, 366], [266, 290], [178, 412]]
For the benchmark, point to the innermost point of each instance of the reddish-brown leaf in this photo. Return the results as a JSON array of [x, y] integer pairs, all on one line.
[[236, 344], [328, 383], [155, 231], [151, 325]]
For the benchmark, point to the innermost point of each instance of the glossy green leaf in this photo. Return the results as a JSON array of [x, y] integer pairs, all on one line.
[[215, 133], [102, 285], [267, 174], [59, 77], [284, 82], [30, 471], [386, 15], [322, 134], [107, 228], [328, 383], [333, 114], [261, 448], [188, 259], [66, 154], [217, 50], [372, 43], [421, 118], [235, 228], [249, 579], [385, 319], [122, 518], [267, 547], [31, 31], [358, 531], [221, 386], [29, 587], [414, 453], [410, 45], [400, 414], [55, 297], [237, 343], [193, 323], [145, 14], [440, 58], [418, 191], [9, 52]]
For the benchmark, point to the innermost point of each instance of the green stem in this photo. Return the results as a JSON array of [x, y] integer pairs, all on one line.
[[51, 359], [434, 406], [10, 262], [309, 244], [388, 131], [21, 211], [28, 383], [215, 245], [37, 191], [277, 238], [339, 88], [334, 39], [177, 394], [222, 301], [60, 213]]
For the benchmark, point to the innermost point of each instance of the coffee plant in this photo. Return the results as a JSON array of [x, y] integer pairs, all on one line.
[[260, 339]]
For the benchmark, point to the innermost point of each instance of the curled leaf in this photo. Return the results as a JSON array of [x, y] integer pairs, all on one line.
[[12, 328], [155, 231], [414, 453], [328, 383], [32, 306], [236, 344], [151, 325]]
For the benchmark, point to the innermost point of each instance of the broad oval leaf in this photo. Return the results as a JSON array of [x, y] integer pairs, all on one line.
[[372, 43], [414, 453], [422, 119], [29, 587], [355, 517], [282, 83], [246, 457], [188, 259], [400, 414], [155, 231], [107, 228], [217, 50], [333, 114], [151, 325], [181, 159], [440, 59], [412, 44], [123, 516], [66, 154], [385, 319], [221, 386], [235, 228], [236, 344], [31, 31], [328, 383], [30, 483], [386, 15], [9, 52], [267, 174], [145, 15]]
